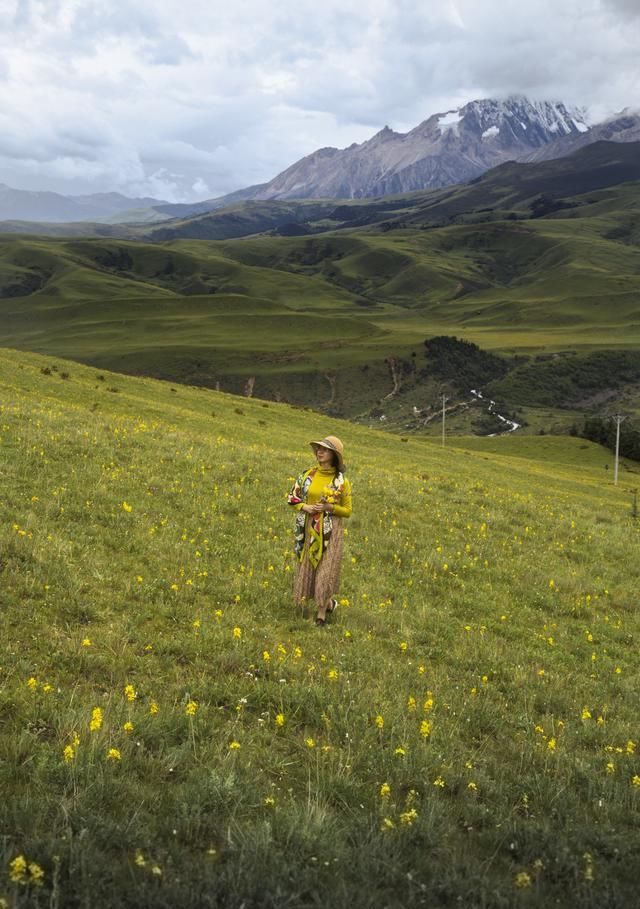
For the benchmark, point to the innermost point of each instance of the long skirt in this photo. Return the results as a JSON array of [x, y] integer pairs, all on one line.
[[323, 582]]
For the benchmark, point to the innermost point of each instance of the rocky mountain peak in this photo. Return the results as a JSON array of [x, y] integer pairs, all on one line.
[[449, 147]]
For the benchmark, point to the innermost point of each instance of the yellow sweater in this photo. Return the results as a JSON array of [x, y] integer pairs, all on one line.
[[321, 479]]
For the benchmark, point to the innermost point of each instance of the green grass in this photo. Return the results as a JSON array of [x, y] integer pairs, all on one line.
[[282, 313], [464, 732]]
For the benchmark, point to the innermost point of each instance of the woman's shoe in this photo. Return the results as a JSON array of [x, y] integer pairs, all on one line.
[[320, 620], [333, 607]]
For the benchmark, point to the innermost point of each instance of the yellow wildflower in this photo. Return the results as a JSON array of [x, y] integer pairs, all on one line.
[[408, 817], [522, 880], [18, 869], [96, 719], [113, 755], [588, 866], [191, 708], [36, 875]]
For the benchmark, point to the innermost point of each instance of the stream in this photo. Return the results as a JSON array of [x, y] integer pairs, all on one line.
[[510, 425]]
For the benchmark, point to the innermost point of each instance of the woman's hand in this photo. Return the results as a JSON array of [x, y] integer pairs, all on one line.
[[317, 508]]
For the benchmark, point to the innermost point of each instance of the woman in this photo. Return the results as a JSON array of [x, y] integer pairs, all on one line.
[[322, 497]]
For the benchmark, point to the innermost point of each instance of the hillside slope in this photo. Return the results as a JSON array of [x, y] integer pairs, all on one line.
[[464, 732], [535, 261]]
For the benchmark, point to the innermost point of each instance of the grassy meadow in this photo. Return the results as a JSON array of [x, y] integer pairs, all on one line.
[[174, 733]]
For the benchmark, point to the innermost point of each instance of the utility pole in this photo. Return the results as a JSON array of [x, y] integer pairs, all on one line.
[[618, 418], [444, 400]]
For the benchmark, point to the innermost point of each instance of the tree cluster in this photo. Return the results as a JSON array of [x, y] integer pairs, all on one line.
[[603, 431]]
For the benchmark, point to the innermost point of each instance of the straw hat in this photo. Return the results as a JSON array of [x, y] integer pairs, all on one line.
[[333, 443]]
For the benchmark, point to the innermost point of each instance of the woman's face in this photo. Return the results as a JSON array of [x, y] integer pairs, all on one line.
[[324, 456]]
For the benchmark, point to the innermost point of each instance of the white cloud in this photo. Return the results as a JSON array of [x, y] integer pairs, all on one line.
[[205, 97]]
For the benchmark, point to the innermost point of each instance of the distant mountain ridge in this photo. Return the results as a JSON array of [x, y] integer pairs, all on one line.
[[448, 148], [622, 127], [514, 190], [27, 205]]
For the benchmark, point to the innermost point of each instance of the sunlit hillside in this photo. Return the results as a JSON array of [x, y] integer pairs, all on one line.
[[174, 733]]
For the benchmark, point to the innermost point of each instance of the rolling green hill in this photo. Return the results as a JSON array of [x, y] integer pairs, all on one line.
[[531, 261], [174, 733]]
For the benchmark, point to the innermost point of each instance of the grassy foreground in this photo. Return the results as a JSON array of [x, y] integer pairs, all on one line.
[[173, 734]]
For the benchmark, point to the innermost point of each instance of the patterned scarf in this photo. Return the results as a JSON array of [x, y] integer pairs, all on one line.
[[320, 524]]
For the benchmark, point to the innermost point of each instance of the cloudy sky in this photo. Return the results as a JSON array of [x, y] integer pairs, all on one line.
[[190, 99]]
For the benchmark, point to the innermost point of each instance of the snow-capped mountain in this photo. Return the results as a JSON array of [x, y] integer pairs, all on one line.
[[450, 147], [622, 127]]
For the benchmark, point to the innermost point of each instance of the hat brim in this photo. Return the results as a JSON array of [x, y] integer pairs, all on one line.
[[329, 447]]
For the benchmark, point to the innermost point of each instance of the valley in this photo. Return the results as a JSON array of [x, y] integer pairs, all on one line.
[[545, 277]]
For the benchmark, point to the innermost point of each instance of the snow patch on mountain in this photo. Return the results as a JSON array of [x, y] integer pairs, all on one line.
[[452, 146]]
